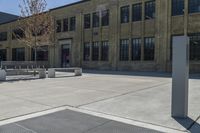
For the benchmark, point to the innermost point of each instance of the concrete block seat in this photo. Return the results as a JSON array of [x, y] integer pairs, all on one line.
[[2, 75], [52, 71]]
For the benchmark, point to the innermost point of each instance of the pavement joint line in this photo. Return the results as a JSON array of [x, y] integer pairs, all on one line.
[[132, 121], [27, 129], [31, 115], [24, 99], [97, 126], [92, 113], [123, 94]]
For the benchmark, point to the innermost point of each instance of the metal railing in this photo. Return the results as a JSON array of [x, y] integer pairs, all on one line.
[[23, 64]]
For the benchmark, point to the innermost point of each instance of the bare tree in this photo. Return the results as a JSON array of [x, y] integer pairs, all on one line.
[[36, 24]]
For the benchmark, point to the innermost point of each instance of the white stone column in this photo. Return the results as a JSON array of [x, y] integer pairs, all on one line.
[[180, 76]]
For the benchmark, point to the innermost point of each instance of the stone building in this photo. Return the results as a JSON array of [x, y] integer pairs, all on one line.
[[130, 35]]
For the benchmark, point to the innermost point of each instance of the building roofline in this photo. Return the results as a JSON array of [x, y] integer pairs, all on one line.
[[71, 4], [68, 5]]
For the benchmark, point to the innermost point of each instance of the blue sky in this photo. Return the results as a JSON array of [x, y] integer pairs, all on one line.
[[13, 7]]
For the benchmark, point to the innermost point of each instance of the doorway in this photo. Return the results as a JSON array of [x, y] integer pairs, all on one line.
[[65, 55]]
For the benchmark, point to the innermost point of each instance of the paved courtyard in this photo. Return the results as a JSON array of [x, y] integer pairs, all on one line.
[[143, 97]]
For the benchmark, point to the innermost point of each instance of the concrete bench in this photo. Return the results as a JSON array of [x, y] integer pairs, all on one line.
[[52, 71], [2, 75]]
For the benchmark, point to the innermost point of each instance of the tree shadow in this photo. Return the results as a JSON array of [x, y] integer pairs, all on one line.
[[137, 73], [189, 124]]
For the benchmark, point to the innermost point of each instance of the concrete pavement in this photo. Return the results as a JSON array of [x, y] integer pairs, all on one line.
[[71, 122], [143, 97]]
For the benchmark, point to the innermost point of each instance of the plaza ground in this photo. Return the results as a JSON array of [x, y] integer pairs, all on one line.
[[139, 97]]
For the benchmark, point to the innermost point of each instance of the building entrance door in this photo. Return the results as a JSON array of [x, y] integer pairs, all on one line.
[[65, 55]]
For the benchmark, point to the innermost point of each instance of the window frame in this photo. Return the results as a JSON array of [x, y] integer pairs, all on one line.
[[65, 25], [177, 7], [125, 14], [95, 19], [86, 51], [105, 51], [137, 12], [72, 26], [87, 21], [105, 14], [193, 6], [149, 54], [95, 51], [150, 10], [124, 50], [58, 26], [136, 46], [3, 36]]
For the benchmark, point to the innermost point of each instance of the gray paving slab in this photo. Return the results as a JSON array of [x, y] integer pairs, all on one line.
[[151, 106], [143, 97], [71, 122]]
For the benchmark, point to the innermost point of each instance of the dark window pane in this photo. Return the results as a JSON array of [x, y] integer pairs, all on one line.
[[95, 51], [177, 7], [17, 34], [194, 6], [58, 26], [3, 36], [3, 55], [87, 21], [86, 51], [65, 25], [195, 46], [124, 50], [72, 23], [95, 19], [150, 9], [149, 48], [18, 54], [42, 53], [136, 49], [125, 14], [137, 12], [105, 51], [105, 18]]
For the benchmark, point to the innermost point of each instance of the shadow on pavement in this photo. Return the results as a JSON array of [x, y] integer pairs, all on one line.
[[134, 73], [189, 124]]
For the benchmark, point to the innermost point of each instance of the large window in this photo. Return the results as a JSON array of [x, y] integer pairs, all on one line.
[[42, 53], [137, 12], [17, 34], [150, 9], [3, 36], [95, 19], [105, 18], [65, 25], [149, 48], [136, 49], [125, 14], [86, 52], [104, 51], [194, 6], [87, 21], [195, 46], [95, 51], [72, 23], [58, 25], [3, 56], [124, 50], [177, 7], [18, 54]]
